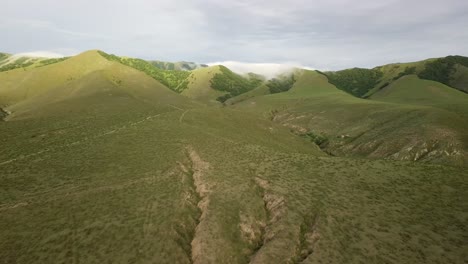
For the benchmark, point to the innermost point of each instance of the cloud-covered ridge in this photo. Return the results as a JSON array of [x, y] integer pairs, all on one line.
[[268, 70]]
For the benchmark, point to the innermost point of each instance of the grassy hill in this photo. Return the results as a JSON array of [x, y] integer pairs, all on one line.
[[412, 90], [199, 85], [450, 70], [279, 84], [22, 84], [314, 108], [100, 162], [174, 79]]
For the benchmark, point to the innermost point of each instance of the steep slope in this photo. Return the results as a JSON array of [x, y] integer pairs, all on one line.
[[345, 125]]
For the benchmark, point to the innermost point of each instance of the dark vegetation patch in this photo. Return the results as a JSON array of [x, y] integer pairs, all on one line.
[[356, 81], [407, 71], [319, 139], [441, 70], [3, 56], [3, 114], [279, 85], [19, 63], [234, 84], [52, 61], [175, 80], [164, 65]]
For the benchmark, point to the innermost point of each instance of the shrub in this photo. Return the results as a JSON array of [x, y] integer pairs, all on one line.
[[278, 85]]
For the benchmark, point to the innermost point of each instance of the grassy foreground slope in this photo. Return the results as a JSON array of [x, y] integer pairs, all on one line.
[[143, 183], [115, 167], [350, 126]]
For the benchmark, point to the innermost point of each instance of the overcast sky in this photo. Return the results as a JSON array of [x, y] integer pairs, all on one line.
[[328, 35]]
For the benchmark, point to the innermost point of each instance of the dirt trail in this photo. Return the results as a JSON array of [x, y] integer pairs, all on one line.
[[182, 115]]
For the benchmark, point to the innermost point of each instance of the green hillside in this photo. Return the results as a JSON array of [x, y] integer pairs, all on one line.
[[356, 127], [279, 84], [22, 84], [450, 70], [102, 163], [233, 84], [199, 85], [412, 90], [356, 81], [174, 79]]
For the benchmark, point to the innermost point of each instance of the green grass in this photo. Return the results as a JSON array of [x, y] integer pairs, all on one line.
[[412, 90], [366, 128], [101, 163], [124, 196]]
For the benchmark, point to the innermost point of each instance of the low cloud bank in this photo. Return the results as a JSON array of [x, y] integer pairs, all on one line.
[[268, 70], [39, 54]]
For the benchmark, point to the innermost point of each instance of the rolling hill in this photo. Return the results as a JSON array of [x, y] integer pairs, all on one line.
[[357, 127], [450, 70], [102, 162]]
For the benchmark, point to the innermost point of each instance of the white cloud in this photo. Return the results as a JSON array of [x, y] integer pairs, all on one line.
[[39, 54], [268, 70]]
